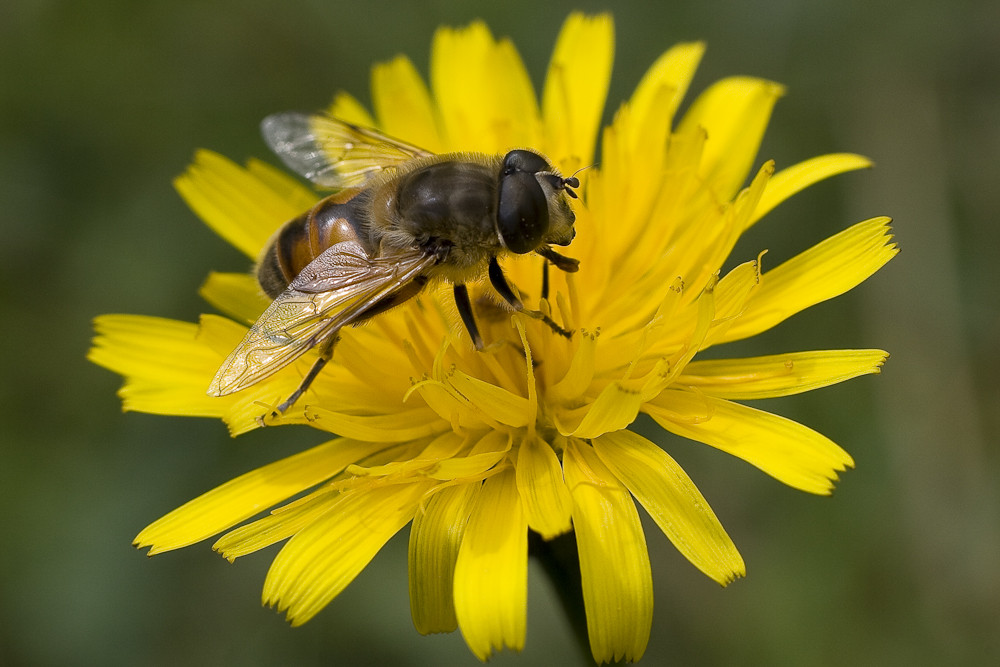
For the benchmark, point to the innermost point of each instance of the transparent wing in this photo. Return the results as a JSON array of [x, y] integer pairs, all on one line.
[[333, 290], [332, 153]]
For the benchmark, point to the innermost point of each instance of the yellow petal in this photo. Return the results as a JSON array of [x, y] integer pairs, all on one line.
[[458, 58], [826, 270], [734, 112], [704, 249], [491, 574], [435, 537], [800, 176], [322, 559], [424, 460], [748, 199], [674, 502], [497, 403], [451, 407], [521, 123], [220, 335], [662, 88], [283, 185], [166, 367], [250, 493], [287, 520], [615, 408], [784, 449], [486, 453], [483, 92], [531, 408], [576, 86], [379, 371], [705, 314], [731, 296], [279, 525], [235, 294], [403, 104], [396, 427], [634, 152], [239, 206], [465, 467], [442, 447], [347, 108], [136, 345], [779, 374], [546, 500], [579, 374], [614, 563]]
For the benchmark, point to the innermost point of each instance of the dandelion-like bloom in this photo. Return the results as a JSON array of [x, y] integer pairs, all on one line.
[[475, 449]]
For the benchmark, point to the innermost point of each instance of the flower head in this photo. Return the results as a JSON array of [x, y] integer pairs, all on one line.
[[476, 448]]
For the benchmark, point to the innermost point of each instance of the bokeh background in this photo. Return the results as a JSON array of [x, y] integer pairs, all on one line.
[[102, 104]]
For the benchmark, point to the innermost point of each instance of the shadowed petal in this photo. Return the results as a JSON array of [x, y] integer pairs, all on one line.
[[435, 537]]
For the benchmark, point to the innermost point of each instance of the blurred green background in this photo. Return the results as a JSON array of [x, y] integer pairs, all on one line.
[[101, 104]]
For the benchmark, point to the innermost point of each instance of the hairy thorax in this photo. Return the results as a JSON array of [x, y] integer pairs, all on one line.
[[445, 202]]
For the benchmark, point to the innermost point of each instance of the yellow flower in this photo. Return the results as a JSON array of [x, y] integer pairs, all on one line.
[[476, 448]]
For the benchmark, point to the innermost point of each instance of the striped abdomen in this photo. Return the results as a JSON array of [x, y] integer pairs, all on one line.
[[301, 240]]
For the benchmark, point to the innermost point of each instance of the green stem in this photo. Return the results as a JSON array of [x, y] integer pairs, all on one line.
[[561, 561]]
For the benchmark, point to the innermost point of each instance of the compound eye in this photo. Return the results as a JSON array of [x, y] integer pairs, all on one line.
[[522, 212], [522, 160]]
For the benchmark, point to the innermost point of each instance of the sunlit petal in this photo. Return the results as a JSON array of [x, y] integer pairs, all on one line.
[[166, 367], [491, 575], [238, 205], [674, 502], [544, 496], [403, 104], [784, 449], [323, 558], [779, 374], [826, 270], [575, 88], [734, 113], [236, 294], [614, 563], [249, 494], [800, 176]]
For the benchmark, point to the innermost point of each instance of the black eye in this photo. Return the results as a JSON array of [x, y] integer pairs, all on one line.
[[521, 160], [522, 209]]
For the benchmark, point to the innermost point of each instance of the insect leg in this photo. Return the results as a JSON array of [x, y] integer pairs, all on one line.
[[325, 354], [545, 280], [465, 310], [562, 262], [502, 287]]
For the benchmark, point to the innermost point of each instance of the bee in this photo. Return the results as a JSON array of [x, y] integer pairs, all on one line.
[[401, 217]]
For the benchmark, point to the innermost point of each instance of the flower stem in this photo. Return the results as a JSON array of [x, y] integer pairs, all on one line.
[[561, 560]]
